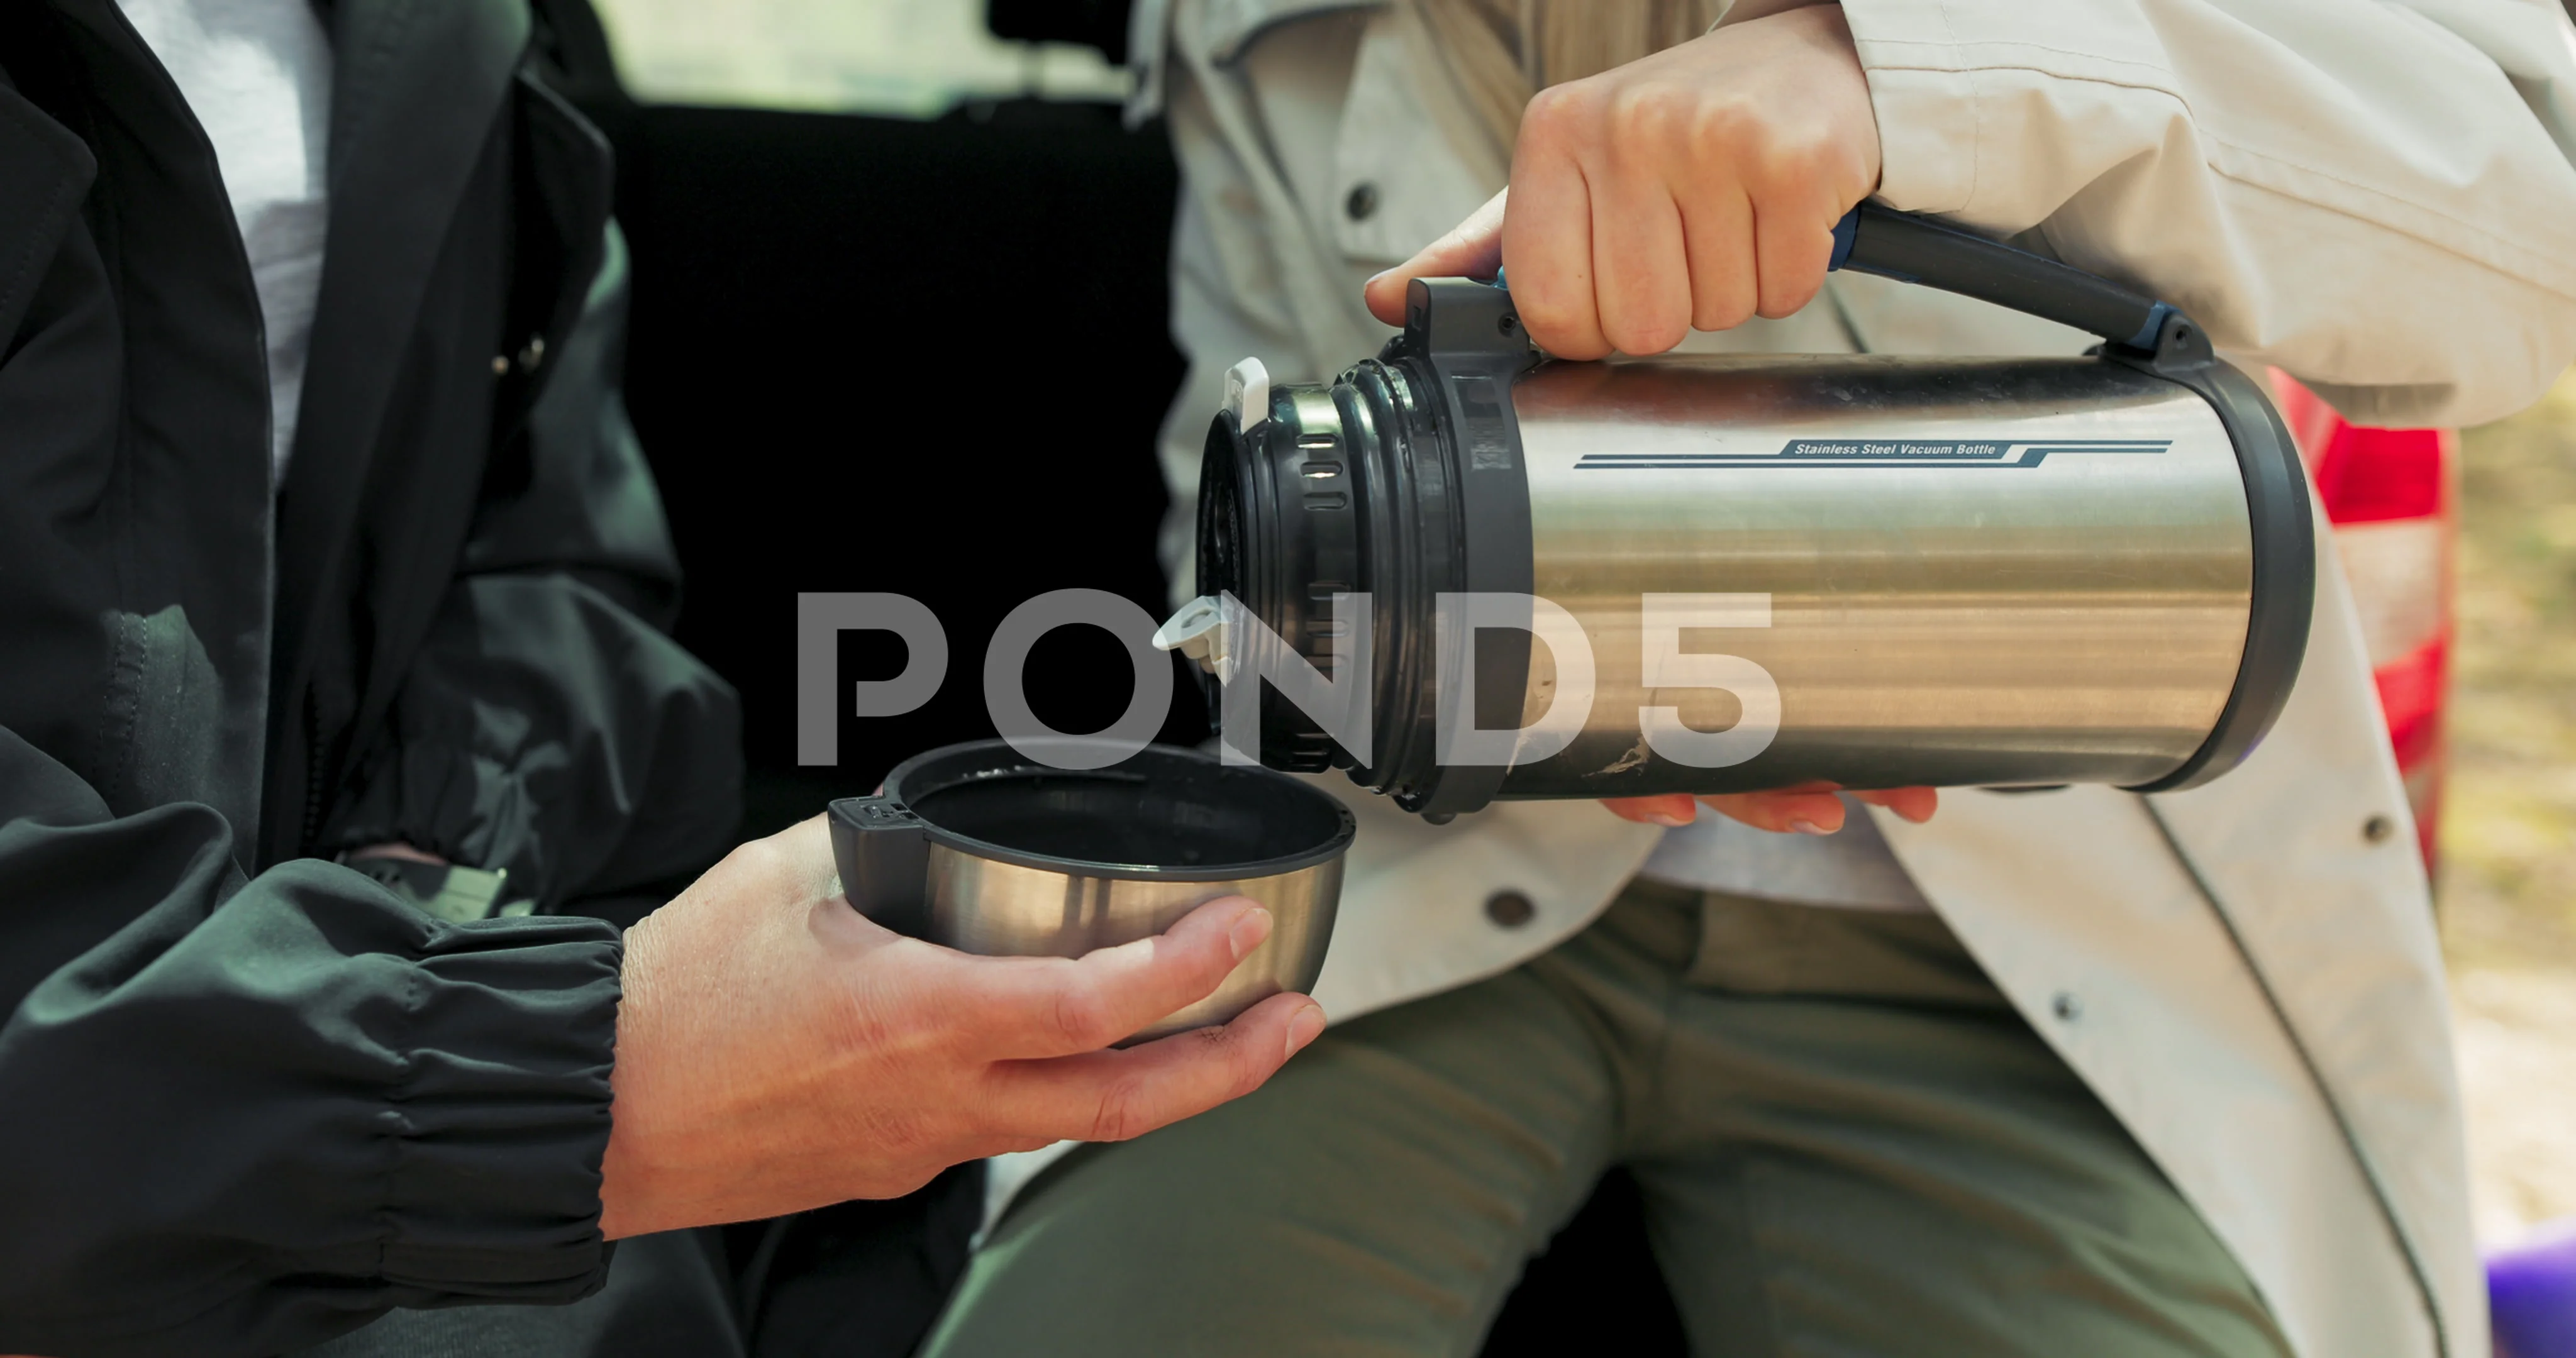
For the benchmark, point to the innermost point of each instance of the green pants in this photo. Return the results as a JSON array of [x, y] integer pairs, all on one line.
[[1848, 1144]]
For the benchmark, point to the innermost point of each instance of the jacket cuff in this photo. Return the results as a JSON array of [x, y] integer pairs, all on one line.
[[503, 1115], [1925, 100], [1995, 113]]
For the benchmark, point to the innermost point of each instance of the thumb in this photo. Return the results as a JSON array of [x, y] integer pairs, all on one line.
[[1473, 249]]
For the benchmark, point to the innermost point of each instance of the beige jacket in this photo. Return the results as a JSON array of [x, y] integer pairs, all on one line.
[[2376, 197]]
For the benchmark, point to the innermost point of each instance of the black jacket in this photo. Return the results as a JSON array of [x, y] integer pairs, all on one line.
[[248, 1099]]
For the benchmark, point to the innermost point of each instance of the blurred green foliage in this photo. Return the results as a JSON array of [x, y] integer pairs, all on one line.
[[904, 58], [2508, 835]]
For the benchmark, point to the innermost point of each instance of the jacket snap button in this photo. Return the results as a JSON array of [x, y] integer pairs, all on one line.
[[2377, 829], [1362, 202], [1510, 909]]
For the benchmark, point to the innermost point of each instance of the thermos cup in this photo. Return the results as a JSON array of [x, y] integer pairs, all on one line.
[[1464, 573], [982, 848]]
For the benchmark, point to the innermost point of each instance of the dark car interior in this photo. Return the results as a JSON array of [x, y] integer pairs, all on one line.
[[929, 356]]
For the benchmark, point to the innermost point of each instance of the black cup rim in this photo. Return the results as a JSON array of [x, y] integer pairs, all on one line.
[[953, 765]]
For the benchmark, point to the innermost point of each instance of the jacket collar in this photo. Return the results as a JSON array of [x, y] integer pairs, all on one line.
[[417, 86], [49, 172]]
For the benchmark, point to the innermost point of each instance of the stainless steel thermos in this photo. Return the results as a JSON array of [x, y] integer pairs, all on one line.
[[1519, 578]]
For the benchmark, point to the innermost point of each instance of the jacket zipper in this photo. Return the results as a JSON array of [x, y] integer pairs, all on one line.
[[312, 777]]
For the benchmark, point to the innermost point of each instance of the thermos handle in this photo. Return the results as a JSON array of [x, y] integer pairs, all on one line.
[[1911, 249], [883, 851]]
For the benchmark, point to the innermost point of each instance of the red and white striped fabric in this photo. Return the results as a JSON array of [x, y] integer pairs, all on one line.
[[2391, 497]]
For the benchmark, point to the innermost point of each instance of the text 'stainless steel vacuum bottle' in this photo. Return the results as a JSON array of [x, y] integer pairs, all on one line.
[[1750, 572]]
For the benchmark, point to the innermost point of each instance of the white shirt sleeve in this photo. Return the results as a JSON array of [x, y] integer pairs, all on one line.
[[2375, 195]]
